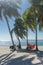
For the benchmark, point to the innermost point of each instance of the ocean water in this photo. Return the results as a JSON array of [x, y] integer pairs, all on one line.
[[23, 43], [40, 42]]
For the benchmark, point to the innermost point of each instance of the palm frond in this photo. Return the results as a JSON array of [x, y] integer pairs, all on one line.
[[10, 7]]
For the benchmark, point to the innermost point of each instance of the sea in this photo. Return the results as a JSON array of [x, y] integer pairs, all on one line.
[[23, 42]]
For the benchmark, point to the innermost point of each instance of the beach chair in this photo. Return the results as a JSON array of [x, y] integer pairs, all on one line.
[[31, 46]]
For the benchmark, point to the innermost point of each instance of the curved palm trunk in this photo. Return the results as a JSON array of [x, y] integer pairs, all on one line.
[[36, 36], [27, 39], [27, 35], [10, 33], [19, 43]]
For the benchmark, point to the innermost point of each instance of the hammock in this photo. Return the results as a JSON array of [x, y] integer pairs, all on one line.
[[30, 46]]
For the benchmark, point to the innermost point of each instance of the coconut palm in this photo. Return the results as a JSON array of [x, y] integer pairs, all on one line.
[[28, 20], [36, 5], [19, 29], [33, 8], [9, 8], [32, 19]]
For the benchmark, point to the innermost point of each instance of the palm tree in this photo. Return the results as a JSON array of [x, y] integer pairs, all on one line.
[[36, 4], [28, 20], [9, 8], [33, 8], [19, 29]]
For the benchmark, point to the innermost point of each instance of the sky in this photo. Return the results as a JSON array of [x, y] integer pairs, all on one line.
[[4, 33]]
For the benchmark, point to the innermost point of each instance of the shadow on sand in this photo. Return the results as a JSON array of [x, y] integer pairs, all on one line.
[[7, 60], [5, 57]]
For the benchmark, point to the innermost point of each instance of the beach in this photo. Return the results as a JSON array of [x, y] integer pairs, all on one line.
[[21, 57]]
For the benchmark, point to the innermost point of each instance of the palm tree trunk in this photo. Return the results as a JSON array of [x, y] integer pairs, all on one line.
[[35, 11], [10, 33], [27, 37], [19, 43], [36, 36]]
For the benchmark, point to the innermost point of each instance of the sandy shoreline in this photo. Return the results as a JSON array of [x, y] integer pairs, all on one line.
[[8, 57], [6, 48]]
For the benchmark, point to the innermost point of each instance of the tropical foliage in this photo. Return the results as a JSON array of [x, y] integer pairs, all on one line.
[[37, 8], [32, 17], [38, 5], [19, 29], [9, 8], [28, 20]]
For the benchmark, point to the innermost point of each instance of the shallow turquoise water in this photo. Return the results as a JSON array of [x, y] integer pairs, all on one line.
[[23, 43], [40, 42]]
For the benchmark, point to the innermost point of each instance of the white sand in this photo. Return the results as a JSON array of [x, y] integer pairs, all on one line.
[[21, 57]]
